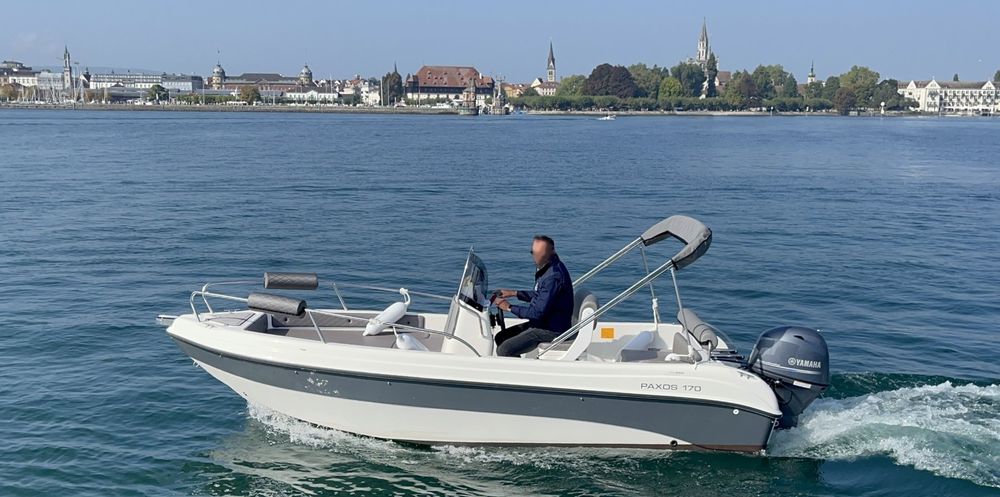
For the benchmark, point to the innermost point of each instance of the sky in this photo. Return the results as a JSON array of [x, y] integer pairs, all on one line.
[[917, 39]]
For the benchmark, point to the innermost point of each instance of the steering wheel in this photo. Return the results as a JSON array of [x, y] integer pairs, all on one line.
[[498, 317]]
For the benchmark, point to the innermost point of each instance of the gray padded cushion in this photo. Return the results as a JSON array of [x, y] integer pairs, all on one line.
[[702, 331], [276, 304], [291, 281]]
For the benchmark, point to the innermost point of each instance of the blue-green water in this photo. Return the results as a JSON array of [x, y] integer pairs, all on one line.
[[882, 233]]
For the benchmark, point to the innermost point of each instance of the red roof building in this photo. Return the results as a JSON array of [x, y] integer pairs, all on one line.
[[446, 83]]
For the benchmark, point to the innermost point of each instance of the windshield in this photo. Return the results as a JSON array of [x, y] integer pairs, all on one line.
[[474, 287]]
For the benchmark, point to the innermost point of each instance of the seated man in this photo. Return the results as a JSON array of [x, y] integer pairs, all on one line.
[[549, 306]]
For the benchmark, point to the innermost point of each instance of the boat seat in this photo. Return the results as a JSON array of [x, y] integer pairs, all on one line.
[[637, 347], [681, 351], [584, 305], [562, 347]]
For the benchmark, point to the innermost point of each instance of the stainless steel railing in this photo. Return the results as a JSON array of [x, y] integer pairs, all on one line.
[[204, 295]]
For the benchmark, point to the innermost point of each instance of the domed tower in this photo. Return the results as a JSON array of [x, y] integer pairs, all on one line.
[[306, 76], [218, 77]]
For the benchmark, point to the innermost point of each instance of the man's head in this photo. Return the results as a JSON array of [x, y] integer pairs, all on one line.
[[542, 249]]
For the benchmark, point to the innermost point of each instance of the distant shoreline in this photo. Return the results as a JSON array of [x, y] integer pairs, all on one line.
[[233, 108], [415, 110]]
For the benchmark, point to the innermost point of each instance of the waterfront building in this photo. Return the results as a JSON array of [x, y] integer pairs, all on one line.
[[447, 82], [218, 77], [722, 78], [182, 82], [367, 90], [85, 79], [125, 80], [143, 81], [14, 72], [48, 80], [262, 80], [312, 94], [544, 88], [306, 76], [953, 97], [514, 90]]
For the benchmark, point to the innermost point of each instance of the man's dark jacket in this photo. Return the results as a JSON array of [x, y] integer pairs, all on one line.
[[550, 304]]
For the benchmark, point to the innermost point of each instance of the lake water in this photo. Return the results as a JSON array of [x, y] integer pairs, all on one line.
[[884, 234]]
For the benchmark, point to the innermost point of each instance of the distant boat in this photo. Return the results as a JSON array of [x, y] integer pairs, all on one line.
[[609, 117]]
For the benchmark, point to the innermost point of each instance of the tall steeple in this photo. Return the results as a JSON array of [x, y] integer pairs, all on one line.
[[812, 73], [67, 72], [704, 49], [550, 73]]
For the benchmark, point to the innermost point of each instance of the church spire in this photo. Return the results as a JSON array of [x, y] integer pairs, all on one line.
[[704, 49], [550, 73]]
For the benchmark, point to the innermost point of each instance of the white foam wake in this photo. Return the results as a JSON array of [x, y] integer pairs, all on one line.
[[300, 432], [949, 430]]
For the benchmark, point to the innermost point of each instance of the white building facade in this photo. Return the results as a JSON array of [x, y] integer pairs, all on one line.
[[953, 97], [15, 72]]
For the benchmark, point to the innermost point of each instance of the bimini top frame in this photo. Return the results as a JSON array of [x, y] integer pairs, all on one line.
[[696, 238]]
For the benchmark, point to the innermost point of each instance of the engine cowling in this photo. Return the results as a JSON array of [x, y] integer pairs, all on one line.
[[796, 363]]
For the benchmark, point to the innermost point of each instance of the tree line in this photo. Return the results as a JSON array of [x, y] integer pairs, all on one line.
[[688, 86]]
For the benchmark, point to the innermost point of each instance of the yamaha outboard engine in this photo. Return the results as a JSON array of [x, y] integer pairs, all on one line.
[[795, 361]]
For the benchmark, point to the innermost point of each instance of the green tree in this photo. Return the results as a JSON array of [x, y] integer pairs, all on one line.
[[610, 80], [571, 86], [830, 87], [845, 100], [955, 77], [648, 78], [789, 87], [529, 92], [862, 81], [769, 80], [742, 91], [814, 90], [888, 91], [249, 94], [670, 87], [157, 93], [691, 77], [392, 87], [711, 71], [996, 75]]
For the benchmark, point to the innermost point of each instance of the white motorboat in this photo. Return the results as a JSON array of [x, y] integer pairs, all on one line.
[[608, 117], [433, 378]]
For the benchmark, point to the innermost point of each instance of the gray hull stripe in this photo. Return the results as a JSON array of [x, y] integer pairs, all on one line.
[[704, 424]]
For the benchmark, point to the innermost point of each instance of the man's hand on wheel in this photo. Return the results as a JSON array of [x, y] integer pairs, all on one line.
[[508, 293], [503, 304]]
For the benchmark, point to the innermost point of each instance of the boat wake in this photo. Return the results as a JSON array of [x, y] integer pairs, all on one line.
[[946, 429], [951, 430]]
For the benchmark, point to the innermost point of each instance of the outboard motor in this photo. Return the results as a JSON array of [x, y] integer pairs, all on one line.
[[795, 361]]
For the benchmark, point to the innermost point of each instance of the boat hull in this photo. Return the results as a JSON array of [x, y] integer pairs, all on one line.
[[436, 411]]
